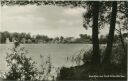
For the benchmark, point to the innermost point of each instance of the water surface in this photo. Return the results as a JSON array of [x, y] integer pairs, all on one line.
[[57, 52]]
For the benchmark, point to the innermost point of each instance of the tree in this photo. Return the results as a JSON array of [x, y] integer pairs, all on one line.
[[96, 18], [123, 8], [95, 40], [108, 51], [84, 38]]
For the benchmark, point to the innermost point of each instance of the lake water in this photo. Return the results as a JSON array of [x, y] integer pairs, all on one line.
[[57, 52]]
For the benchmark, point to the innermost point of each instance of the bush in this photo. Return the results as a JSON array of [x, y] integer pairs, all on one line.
[[20, 66]]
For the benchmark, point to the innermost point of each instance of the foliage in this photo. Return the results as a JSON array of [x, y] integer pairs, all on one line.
[[20, 66], [27, 38], [76, 58], [46, 69], [43, 2], [118, 67]]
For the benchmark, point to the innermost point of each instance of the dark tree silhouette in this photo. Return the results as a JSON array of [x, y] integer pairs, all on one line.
[[95, 40], [108, 52]]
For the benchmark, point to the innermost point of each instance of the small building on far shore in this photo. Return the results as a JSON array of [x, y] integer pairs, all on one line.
[[10, 42], [7, 41]]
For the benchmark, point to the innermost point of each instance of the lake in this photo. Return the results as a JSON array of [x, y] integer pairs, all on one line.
[[57, 52]]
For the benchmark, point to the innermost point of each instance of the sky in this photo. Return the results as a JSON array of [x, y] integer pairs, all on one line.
[[52, 21]]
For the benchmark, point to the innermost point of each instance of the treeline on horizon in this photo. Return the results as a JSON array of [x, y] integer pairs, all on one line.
[[27, 38]]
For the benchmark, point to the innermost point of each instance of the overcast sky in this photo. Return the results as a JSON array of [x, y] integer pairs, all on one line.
[[47, 20]]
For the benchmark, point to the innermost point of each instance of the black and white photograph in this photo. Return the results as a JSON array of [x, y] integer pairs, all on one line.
[[63, 40]]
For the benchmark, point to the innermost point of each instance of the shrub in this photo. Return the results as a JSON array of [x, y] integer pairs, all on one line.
[[20, 66]]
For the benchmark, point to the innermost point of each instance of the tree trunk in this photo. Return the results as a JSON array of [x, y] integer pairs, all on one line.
[[122, 41], [108, 50], [95, 40]]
